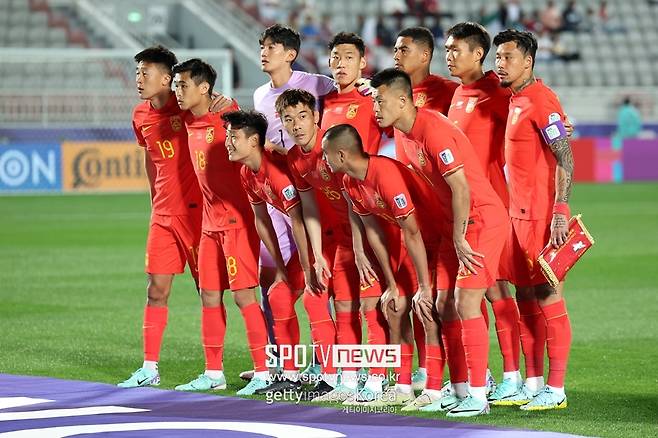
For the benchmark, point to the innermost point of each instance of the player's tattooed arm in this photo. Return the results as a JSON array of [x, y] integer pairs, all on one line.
[[461, 204], [564, 172], [563, 180]]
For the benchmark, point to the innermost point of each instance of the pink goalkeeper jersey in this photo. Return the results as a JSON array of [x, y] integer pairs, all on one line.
[[265, 97]]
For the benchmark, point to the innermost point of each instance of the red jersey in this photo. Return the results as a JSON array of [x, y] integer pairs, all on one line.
[[530, 162], [436, 148], [392, 191], [224, 206], [310, 171], [353, 109], [480, 111], [272, 183], [162, 133], [434, 92]]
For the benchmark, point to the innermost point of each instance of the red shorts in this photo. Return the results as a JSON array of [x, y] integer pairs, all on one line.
[[345, 280], [526, 240], [486, 234], [172, 241], [228, 259]]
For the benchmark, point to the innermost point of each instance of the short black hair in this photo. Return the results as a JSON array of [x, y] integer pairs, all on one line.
[[393, 77], [348, 38], [293, 97], [350, 131], [419, 35], [251, 122], [474, 34], [200, 71], [525, 41], [158, 55], [284, 35]]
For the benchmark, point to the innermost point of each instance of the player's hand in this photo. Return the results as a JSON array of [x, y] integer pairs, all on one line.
[[467, 256], [312, 284], [280, 275], [220, 102], [559, 229], [422, 302], [322, 272], [273, 147], [568, 126], [389, 300], [363, 87], [367, 275]]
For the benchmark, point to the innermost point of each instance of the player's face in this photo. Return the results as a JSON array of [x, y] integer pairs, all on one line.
[[274, 56], [387, 106], [301, 122], [238, 145], [151, 79], [511, 63], [188, 94], [408, 56], [460, 58], [346, 63], [332, 157]]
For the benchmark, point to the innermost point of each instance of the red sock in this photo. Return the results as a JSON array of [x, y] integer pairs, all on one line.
[[476, 347], [406, 359], [532, 330], [155, 321], [286, 326], [451, 332], [377, 333], [213, 329], [435, 362], [256, 334], [485, 312], [507, 331], [348, 330], [558, 339], [323, 330]]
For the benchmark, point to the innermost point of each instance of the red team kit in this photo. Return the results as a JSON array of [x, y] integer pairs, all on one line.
[[502, 135]]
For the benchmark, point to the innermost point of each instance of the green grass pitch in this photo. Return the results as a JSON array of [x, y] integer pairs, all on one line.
[[72, 291]]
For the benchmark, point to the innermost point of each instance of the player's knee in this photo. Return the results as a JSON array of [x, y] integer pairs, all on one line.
[[243, 298], [346, 306], [210, 298], [157, 293]]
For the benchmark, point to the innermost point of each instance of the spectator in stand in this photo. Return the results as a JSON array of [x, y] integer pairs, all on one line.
[[513, 13], [550, 17], [629, 121], [384, 34], [544, 46], [571, 17], [531, 22], [326, 29]]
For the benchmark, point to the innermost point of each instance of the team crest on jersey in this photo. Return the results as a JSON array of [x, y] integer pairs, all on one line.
[[176, 123], [210, 134], [421, 100], [421, 158], [269, 193], [324, 174], [470, 105], [379, 201], [515, 114], [352, 110]]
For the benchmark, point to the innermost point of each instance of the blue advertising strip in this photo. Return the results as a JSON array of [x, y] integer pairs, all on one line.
[[26, 167], [41, 406]]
